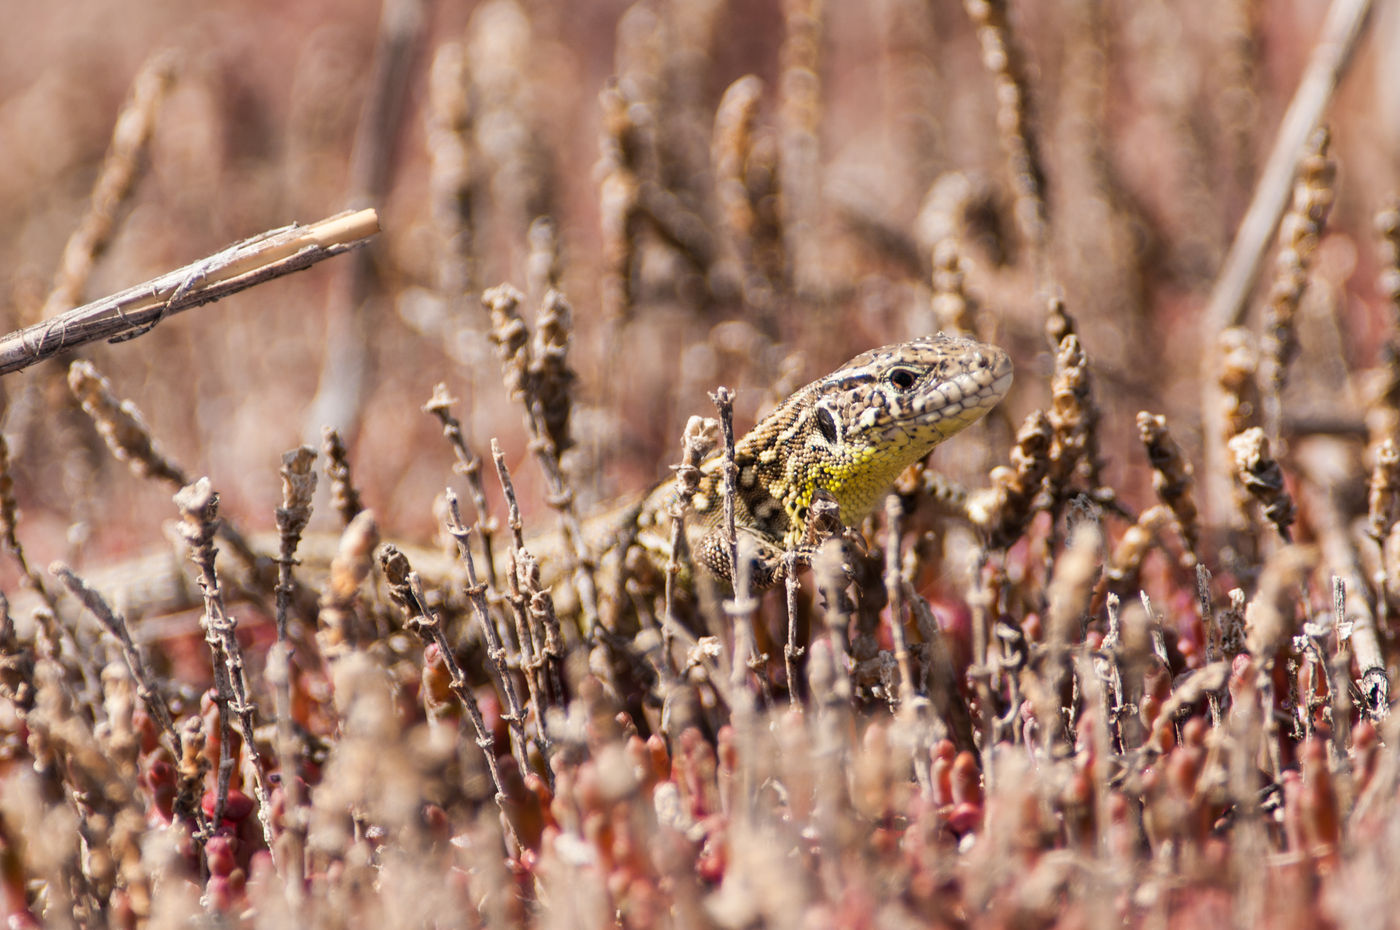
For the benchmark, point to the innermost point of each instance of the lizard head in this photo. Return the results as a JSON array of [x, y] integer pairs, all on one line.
[[856, 429]]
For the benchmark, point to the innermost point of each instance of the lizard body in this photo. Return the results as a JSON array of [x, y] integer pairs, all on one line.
[[845, 436]]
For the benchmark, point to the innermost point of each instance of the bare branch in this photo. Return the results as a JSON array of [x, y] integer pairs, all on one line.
[[136, 310]]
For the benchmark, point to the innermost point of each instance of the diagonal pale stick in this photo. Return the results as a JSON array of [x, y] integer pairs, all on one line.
[[136, 310], [1341, 32]]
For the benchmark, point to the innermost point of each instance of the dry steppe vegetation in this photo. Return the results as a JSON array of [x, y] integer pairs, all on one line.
[[1122, 653]]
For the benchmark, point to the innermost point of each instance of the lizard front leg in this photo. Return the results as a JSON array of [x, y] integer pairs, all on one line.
[[768, 562]]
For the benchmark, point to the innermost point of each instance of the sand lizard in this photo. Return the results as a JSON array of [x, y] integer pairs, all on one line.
[[847, 435]]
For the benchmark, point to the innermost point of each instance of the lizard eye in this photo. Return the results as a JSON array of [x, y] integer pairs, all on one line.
[[826, 424], [902, 378]]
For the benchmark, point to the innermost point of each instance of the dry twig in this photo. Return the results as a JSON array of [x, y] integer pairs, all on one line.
[[136, 310]]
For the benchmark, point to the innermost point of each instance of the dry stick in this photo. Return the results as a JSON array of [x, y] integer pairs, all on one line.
[[894, 516], [1340, 555], [469, 467], [791, 651], [743, 606], [9, 535], [451, 170], [942, 682], [913, 707], [531, 658], [130, 441], [541, 628], [199, 512], [136, 310], [520, 558], [122, 167], [476, 593], [1341, 31], [1002, 57], [298, 486], [979, 602], [696, 443], [723, 400], [522, 375], [1212, 631], [1110, 672], [407, 589], [346, 368], [1339, 670], [131, 136], [115, 624], [740, 610], [1315, 640], [344, 496], [829, 571]]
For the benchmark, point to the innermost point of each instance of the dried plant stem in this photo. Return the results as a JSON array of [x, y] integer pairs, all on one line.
[[513, 521], [476, 592], [1330, 58], [828, 568], [980, 602], [469, 467], [136, 310], [1340, 555], [537, 377], [1259, 474], [298, 485], [1068, 597], [942, 682], [451, 174], [894, 519], [545, 690], [1212, 631], [9, 532], [1014, 121], [799, 121], [407, 589], [344, 497], [1172, 478], [791, 651], [532, 607], [541, 633], [347, 365], [1341, 32], [199, 511], [1299, 234], [747, 660], [146, 687], [1110, 672], [743, 606], [121, 426], [131, 136], [1316, 639], [723, 400], [697, 442]]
